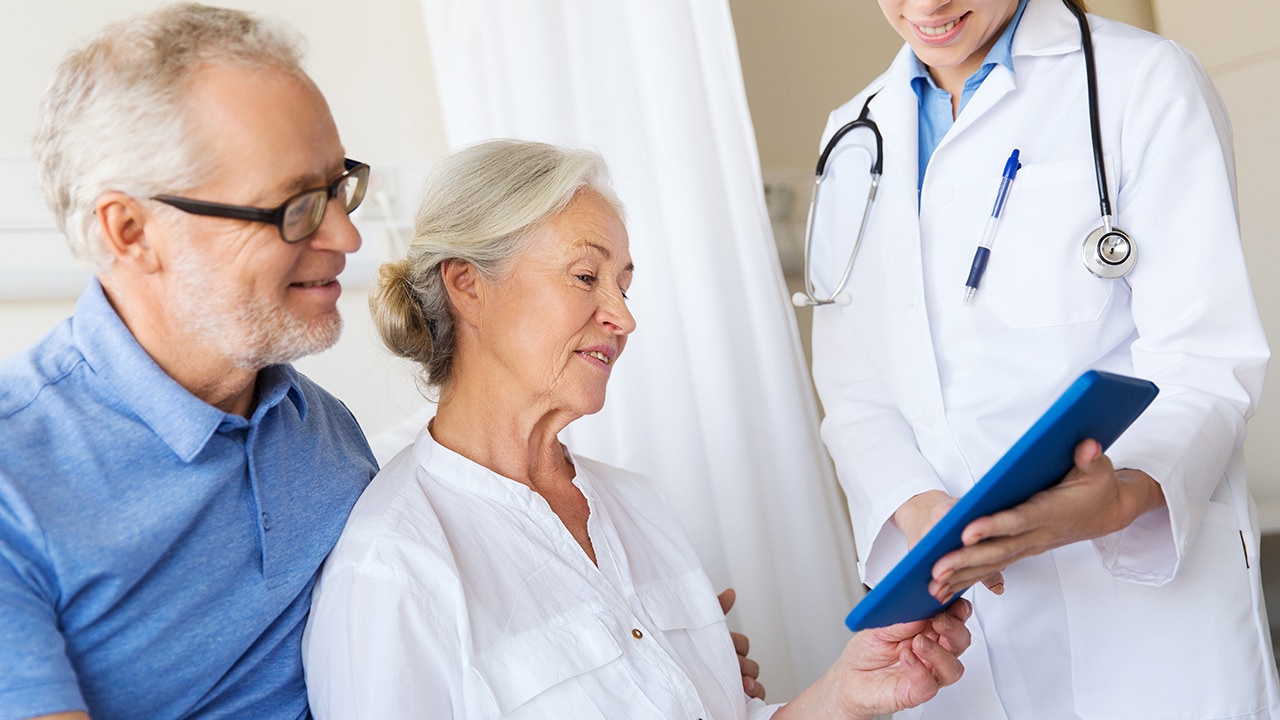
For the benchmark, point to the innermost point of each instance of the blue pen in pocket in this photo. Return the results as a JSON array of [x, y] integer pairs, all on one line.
[[983, 253]]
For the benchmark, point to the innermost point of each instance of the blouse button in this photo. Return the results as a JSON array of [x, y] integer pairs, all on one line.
[[635, 633]]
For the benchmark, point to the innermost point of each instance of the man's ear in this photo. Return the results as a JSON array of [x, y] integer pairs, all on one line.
[[122, 224], [466, 289]]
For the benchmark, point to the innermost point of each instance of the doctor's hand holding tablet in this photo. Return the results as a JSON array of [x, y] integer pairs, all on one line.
[[1092, 500], [929, 372]]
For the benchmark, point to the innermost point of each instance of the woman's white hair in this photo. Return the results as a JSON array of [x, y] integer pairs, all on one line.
[[479, 205], [115, 116]]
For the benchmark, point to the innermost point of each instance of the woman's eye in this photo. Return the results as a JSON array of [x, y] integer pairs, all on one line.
[[587, 278]]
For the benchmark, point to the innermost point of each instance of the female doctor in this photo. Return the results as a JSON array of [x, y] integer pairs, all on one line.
[[1130, 590]]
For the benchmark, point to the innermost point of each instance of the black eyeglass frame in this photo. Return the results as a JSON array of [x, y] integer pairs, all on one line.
[[276, 216]]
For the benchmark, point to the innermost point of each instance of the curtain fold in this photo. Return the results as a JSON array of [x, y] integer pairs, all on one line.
[[711, 399]]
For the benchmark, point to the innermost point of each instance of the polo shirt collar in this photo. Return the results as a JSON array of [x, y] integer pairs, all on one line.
[[183, 421]]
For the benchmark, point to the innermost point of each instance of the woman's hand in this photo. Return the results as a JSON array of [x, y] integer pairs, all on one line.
[[1091, 501], [885, 670], [749, 668]]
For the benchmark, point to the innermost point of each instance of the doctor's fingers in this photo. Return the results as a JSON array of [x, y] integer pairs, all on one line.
[[1069, 511], [984, 562], [944, 590], [1077, 508]]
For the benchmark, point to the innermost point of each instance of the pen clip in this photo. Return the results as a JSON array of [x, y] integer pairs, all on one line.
[[1011, 168]]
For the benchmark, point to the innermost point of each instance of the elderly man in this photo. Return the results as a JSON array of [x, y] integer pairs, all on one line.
[[169, 485]]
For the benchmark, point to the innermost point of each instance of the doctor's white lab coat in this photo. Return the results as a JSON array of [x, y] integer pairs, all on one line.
[[1164, 620]]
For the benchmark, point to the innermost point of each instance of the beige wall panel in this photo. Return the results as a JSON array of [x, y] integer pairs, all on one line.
[[1221, 33], [802, 58], [1134, 12]]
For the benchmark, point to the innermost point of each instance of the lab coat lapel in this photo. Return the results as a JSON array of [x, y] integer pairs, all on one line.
[[1047, 28], [998, 84], [896, 110]]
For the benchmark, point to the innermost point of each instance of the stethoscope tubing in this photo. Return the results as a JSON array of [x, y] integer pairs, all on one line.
[[1095, 261], [1095, 123], [809, 297], [838, 296]]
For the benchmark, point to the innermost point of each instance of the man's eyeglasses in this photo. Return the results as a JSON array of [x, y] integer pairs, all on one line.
[[300, 216]]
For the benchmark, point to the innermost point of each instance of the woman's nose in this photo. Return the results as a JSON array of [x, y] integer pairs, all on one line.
[[615, 313]]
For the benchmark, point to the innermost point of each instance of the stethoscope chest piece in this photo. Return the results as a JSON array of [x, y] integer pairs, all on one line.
[[1109, 252]]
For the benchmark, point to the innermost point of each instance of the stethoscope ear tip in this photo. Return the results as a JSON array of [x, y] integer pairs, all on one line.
[[803, 299]]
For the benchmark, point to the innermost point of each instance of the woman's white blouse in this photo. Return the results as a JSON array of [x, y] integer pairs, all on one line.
[[457, 593]]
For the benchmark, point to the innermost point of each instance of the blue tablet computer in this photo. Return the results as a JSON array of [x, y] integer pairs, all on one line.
[[1097, 405]]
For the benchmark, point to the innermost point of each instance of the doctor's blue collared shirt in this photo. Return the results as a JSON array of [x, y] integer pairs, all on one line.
[[935, 103]]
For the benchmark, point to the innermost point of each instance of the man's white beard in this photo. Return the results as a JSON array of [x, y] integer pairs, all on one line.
[[249, 330]]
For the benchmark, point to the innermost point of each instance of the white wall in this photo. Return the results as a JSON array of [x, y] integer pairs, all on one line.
[[371, 61]]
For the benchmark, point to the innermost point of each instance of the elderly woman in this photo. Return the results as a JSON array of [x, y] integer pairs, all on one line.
[[490, 572]]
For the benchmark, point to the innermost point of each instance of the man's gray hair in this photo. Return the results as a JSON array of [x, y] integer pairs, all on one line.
[[115, 117]]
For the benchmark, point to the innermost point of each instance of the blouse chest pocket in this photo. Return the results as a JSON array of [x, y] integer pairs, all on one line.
[[690, 620], [680, 606], [525, 667], [1036, 277]]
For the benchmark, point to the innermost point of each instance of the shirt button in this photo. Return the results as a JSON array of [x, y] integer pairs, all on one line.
[[266, 521], [928, 417], [635, 633]]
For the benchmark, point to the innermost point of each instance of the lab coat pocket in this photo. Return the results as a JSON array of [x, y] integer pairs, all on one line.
[[1036, 277], [518, 671], [1164, 632]]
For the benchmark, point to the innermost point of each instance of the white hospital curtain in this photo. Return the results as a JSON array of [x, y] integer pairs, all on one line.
[[711, 399]]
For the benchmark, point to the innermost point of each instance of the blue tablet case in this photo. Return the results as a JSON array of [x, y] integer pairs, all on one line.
[[1097, 405]]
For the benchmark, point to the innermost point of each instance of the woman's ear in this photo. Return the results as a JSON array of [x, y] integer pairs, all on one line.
[[466, 289], [122, 224]]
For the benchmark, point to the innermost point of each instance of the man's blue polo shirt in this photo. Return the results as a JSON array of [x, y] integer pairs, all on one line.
[[157, 554]]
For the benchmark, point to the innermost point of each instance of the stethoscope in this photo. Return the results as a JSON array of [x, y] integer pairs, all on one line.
[[1108, 252]]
